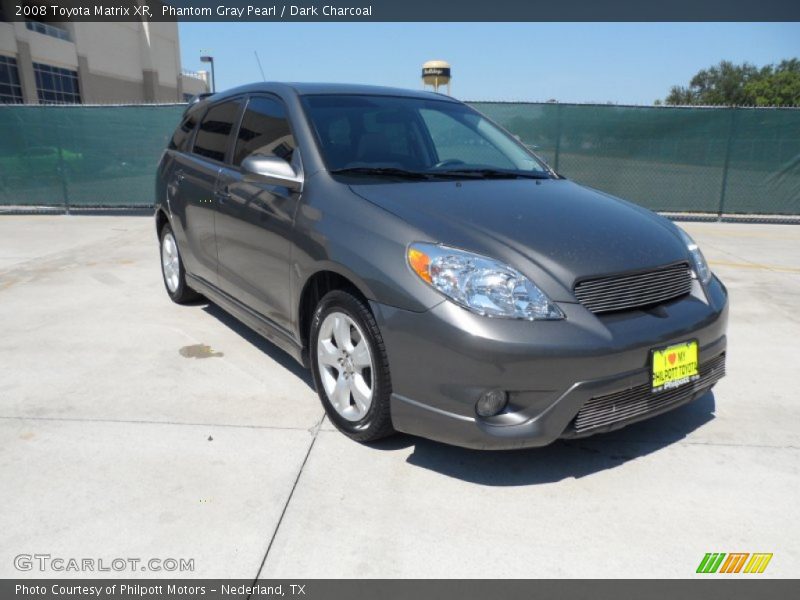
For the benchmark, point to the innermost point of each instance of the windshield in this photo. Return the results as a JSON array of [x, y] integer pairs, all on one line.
[[389, 135]]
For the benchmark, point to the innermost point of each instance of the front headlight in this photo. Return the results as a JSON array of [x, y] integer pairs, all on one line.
[[700, 265], [480, 284]]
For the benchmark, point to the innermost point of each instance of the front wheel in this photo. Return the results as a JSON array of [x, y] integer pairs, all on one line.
[[350, 368]]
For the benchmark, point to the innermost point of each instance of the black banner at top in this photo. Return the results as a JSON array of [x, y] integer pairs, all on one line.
[[401, 10]]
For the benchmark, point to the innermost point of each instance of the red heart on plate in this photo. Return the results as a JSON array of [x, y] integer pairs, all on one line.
[[671, 358]]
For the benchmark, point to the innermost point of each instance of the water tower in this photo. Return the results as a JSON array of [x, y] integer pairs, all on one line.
[[436, 73]]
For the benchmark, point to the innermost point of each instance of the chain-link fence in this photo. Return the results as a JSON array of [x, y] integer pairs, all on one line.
[[708, 160], [82, 156], [713, 160]]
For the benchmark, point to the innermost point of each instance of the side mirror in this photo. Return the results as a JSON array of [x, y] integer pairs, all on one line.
[[271, 169]]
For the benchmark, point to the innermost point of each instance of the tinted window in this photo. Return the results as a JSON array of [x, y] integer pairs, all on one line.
[[180, 139], [215, 130], [55, 85], [10, 88], [411, 133], [456, 141], [264, 130]]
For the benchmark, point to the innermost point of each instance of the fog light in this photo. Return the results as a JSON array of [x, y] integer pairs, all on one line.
[[491, 403]]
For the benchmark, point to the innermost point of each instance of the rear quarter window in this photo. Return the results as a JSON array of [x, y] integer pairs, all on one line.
[[183, 134]]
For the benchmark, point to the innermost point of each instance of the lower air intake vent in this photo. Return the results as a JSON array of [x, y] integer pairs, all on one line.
[[633, 403]]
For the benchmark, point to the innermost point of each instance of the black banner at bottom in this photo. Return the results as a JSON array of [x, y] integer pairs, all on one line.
[[712, 587]]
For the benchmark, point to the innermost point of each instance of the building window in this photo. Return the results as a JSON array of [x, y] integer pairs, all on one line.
[[10, 88], [55, 85], [47, 29]]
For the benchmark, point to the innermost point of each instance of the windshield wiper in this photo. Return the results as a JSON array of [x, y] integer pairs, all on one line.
[[382, 171], [491, 174]]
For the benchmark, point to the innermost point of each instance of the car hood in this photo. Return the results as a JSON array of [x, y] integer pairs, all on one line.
[[554, 231]]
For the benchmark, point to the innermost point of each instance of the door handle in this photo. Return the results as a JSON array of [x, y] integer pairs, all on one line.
[[223, 194], [174, 183]]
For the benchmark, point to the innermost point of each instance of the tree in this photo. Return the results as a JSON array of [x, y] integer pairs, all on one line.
[[743, 85], [777, 86]]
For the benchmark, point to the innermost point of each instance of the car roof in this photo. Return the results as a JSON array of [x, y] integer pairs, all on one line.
[[309, 89]]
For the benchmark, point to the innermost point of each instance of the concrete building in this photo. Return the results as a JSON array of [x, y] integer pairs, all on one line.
[[94, 63]]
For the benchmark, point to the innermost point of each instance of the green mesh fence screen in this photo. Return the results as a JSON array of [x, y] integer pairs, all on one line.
[[712, 160], [82, 156], [742, 160]]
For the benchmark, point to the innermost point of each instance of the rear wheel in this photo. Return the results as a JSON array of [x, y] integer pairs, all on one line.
[[350, 368], [172, 269]]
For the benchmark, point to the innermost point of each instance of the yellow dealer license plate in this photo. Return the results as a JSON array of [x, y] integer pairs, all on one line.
[[675, 365]]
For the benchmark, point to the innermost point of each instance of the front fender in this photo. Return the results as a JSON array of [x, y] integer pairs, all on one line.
[[347, 235]]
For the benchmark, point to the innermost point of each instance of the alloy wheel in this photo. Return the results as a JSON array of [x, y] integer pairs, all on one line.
[[345, 366], [170, 262]]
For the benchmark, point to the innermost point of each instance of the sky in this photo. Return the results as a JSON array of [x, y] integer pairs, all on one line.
[[625, 63]]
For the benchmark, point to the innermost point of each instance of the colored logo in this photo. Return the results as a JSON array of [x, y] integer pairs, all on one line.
[[735, 562]]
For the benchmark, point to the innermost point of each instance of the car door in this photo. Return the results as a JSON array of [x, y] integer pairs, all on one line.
[[255, 220], [195, 178]]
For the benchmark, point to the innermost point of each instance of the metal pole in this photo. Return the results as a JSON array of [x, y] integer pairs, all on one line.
[[62, 171], [558, 138], [213, 79], [726, 164]]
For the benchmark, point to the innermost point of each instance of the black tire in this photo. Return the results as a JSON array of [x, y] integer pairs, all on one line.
[[182, 294], [377, 422]]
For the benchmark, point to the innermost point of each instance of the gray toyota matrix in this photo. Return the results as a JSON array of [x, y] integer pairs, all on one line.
[[436, 276]]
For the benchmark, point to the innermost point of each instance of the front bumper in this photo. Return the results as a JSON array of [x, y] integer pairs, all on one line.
[[443, 359]]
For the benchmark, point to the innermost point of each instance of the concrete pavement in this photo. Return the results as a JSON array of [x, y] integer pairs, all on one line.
[[132, 427]]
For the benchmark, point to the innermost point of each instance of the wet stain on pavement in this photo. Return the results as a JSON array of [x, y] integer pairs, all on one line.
[[199, 351]]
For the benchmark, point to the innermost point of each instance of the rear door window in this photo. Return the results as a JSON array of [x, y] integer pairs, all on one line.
[[264, 131], [215, 130]]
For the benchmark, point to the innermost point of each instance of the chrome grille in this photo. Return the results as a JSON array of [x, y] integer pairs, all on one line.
[[621, 292], [632, 403]]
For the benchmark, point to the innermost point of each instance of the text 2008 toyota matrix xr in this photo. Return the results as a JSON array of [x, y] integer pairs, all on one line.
[[437, 277]]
